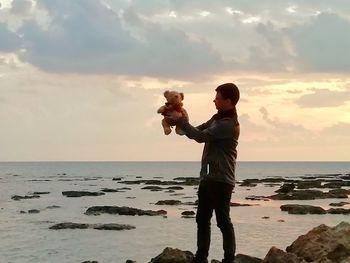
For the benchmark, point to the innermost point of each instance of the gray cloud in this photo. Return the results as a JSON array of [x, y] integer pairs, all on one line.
[[74, 42], [322, 44], [9, 41], [323, 98], [21, 7]]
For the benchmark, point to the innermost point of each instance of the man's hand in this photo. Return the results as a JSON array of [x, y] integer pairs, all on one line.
[[174, 116]]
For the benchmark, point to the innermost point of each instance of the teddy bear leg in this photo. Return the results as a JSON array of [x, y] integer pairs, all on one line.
[[179, 131], [166, 127]]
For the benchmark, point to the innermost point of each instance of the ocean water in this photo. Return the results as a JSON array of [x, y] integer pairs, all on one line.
[[27, 238]]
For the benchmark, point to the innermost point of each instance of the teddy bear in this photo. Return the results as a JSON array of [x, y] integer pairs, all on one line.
[[174, 103]]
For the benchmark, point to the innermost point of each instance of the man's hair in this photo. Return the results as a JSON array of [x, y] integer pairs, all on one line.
[[229, 91]]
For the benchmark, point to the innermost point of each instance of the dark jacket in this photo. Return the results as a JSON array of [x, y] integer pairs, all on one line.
[[220, 135]]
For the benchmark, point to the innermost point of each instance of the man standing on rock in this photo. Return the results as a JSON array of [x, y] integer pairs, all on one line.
[[217, 177]]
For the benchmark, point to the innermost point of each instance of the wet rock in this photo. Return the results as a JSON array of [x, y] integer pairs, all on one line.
[[169, 202], [152, 188], [338, 211], [53, 207], [187, 180], [276, 255], [309, 184], [248, 183], [90, 261], [171, 255], [108, 190], [299, 195], [241, 258], [286, 188], [19, 197], [70, 225], [130, 261], [339, 204], [41, 193], [81, 193], [175, 188], [124, 210], [239, 204], [117, 178], [324, 244], [188, 213], [338, 193], [33, 211], [302, 209], [257, 198], [265, 217]]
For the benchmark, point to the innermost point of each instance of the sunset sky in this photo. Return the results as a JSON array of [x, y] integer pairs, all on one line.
[[81, 80]]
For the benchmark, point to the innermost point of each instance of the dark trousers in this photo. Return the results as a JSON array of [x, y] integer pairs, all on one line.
[[214, 196]]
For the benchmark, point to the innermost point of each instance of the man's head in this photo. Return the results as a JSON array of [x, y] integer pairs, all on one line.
[[227, 96]]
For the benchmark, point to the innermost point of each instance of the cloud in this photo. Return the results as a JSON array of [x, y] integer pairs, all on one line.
[[9, 41], [74, 42], [322, 44], [20, 7], [323, 98]]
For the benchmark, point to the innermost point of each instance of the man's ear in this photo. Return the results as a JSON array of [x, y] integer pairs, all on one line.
[[182, 95], [166, 93]]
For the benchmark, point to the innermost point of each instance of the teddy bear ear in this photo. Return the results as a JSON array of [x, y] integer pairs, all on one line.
[[166, 93], [182, 95]]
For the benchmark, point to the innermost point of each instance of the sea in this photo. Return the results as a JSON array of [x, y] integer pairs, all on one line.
[[26, 237]]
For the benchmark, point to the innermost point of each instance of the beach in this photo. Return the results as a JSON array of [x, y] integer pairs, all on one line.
[[26, 237]]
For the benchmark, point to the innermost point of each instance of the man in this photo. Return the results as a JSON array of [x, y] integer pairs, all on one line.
[[217, 177]]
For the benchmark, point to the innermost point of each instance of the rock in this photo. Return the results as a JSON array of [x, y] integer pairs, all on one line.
[[324, 243], [169, 202], [170, 255], [187, 180], [175, 188], [338, 193], [286, 188], [265, 217], [124, 210], [130, 261], [241, 258], [302, 209], [188, 214], [117, 178], [53, 207], [41, 193], [90, 261], [239, 204], [248, 183], [19, 197], [276, 255], [152, 188], [108, 190], [338, 211], [309, 184], [257, 198], [81, 193], [300, 195], [33, 211], [339, 204], [69, 225]]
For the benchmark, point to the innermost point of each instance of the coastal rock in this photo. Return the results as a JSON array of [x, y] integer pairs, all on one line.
[[309, 184], [257, 198], [90, 261], [169, 202], [81, 193], [187, 180], [152, 188], [248, 183], [124, 210], [171, 255], [276, 255], [338, 211], [53, 207], [41, 193], [33, 211], [338, 193], [286, 188], [19, 197], [324, 243], [302, 209], [239, 204], [241, 258], [339, 204], [70, 225], [188, 213]]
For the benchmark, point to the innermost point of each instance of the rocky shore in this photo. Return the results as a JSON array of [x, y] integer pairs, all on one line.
[[322, 244]]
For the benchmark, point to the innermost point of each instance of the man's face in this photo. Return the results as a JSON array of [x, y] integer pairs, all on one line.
[[222, 104]]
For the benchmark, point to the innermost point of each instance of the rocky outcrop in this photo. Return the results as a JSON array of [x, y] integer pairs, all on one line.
[[70, 225], [19, 197], [302, 209], [322, 244], [122, 210], [173, 255], [81, 193]]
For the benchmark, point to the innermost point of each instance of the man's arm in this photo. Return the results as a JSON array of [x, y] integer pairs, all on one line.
[[221, 130]]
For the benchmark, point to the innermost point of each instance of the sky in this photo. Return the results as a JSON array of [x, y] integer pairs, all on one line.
[[81, 80]]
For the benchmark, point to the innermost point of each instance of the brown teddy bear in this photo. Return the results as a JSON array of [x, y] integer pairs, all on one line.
[[174, 103]]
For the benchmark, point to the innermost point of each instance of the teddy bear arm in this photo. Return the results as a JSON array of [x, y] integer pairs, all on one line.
[[161, 109]]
